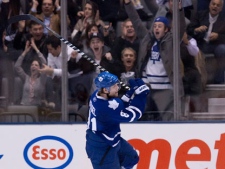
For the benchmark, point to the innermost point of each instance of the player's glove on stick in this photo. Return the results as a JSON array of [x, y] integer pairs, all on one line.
[[133, 86], [142, 87]]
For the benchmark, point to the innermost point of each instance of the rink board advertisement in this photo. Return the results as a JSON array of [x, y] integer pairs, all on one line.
[[160, 146]]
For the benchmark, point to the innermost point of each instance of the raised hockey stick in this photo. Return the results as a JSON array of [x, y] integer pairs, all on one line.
[[18, 18]]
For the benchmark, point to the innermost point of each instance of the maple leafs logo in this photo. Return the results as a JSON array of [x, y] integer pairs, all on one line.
[[100, 79], [113, 104]]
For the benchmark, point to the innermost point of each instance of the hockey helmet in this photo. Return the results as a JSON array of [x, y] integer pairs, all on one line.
[[106, 80]]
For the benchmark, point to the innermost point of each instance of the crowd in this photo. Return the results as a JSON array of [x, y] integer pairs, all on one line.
[[31, 57]]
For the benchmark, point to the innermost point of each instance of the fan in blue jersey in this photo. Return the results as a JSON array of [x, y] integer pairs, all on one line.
[[104, 145]]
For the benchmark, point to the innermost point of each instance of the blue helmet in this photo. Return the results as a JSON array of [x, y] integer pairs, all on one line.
[[106, 80]]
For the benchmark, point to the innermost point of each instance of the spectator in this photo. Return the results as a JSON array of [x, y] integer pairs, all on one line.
[[128, 57], [82, 42], [55, 54], [128, 38], [47, 15], [204, 5], [79, 73], [54, 58], [34, 91], [89, 15], [208, 28], [192, 80], [126, 68], [54, 61], [100, 53], [7, 53], [36, 31], [192, 77], [166, 10], [195, 74], [155, 62]]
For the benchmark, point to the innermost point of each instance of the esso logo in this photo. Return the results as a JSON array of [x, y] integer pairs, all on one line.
[[48, 152]]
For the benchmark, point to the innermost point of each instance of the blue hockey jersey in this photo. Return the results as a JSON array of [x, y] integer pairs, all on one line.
[[105, 115]]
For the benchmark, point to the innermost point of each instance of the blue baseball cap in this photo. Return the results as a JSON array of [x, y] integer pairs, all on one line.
[[163, 20]]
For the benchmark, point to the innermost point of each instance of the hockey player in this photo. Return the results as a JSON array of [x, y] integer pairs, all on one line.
[[104, 145]]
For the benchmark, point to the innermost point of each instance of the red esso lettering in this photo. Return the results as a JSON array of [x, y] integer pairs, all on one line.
[[48, 154]]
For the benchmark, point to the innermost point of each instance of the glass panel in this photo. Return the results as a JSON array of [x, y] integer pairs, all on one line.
[[204, 27], [27, 92]]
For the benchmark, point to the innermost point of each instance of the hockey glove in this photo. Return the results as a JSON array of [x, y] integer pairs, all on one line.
[[133, 86], [142, 87]]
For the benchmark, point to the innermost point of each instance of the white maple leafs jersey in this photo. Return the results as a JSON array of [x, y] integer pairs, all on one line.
[[154, 72]]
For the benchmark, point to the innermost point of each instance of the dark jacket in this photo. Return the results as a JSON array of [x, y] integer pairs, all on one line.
[[202, 18]]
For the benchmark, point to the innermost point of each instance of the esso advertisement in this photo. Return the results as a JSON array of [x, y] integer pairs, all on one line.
[[159, 145], [191, 154], [48, 152]]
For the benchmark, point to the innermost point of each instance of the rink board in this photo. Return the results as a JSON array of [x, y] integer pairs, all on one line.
[[164, 145]]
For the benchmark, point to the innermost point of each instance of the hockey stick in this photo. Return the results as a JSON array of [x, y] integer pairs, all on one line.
[[31, 17]]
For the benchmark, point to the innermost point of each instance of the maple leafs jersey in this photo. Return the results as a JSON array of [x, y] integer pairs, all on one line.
[[105, 115]]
